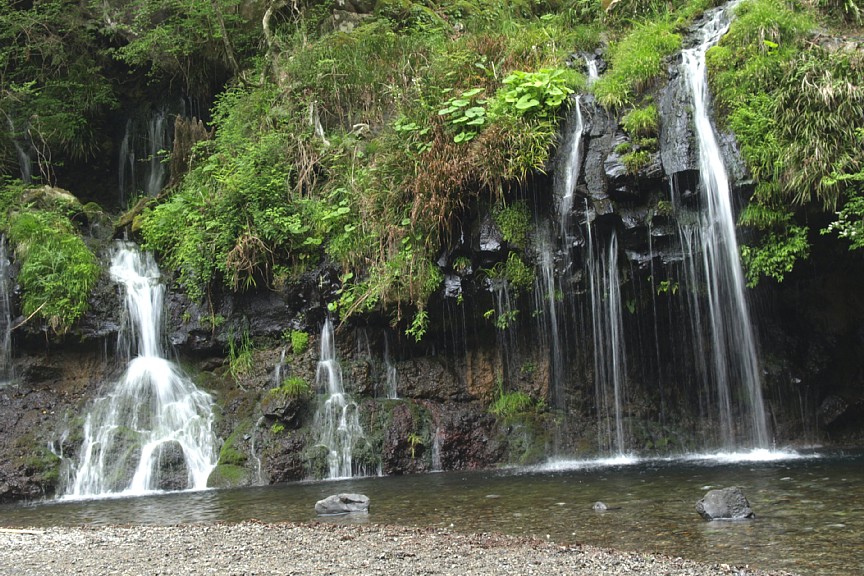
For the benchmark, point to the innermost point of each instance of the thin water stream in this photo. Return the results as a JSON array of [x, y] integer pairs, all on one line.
[[809, 510]]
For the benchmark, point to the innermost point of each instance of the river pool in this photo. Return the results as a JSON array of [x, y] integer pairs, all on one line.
[[809, 506]]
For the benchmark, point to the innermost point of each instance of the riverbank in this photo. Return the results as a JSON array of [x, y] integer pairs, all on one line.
[[317, 548]]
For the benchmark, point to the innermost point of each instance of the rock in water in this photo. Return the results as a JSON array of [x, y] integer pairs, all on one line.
[[342, 504], [724, 504]]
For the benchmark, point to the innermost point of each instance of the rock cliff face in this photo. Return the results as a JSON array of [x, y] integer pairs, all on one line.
[[495, 380]]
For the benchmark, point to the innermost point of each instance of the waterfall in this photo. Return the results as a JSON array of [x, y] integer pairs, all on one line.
[[337, 421], [157, 143], [6, 374], [126, 166], [152, 431], [733, 357], [437, 439], [566, 177], [391, 375], [610, 367], [25, 163]]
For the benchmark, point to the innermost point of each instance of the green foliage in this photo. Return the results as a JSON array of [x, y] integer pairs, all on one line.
[[299, 342], [57, 272], [514, 222], [239, 355], [466, 113], [635, 62], [414, 440], [181, 38], [277, 428], [850, 219], [535, 94], [510, 404], [53, 83], [293, 387], [641, 122]]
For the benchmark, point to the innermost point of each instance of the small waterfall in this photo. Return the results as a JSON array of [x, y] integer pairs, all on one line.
[[546, 298], [591, 69], [152, 431], [25, 163], [391, 374], [567, 176], [734, 360], [337, 420], [610, 368], [277, 371], [437, 439], [157, 143], [126, 166], [6, 373]]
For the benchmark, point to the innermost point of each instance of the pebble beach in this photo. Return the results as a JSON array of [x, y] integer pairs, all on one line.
[[253, 548]]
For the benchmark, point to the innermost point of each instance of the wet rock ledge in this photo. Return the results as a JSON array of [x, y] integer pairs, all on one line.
[[288, 549]]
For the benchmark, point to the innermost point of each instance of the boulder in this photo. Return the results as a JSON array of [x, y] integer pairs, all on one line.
[[342, 504], [724, 504]]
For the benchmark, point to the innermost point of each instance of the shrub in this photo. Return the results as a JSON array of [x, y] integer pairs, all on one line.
[[635, 62], [58, 271]]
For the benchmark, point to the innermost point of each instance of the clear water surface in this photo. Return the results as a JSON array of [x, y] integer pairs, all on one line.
[[809, 507]]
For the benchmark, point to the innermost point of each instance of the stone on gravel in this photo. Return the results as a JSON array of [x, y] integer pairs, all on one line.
[[342, 504], [724, 504]]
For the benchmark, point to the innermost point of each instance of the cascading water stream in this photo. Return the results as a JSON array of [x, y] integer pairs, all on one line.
[[391, 374], [157, 142], [734, 361], [152, 431], [6, 374], [610, 366], [337, 420], [126, 166]]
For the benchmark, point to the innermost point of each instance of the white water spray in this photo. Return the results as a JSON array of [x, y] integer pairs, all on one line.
[[734, 361], [6, 374], [337, 420], [152, 431]]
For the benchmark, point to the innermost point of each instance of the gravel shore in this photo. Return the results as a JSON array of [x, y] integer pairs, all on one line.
[[288, 549]]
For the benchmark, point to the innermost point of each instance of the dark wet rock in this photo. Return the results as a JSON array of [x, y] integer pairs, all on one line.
[[724, 504], [430, 378], [342, 504], [601, 130], [286, 408], [488, 242], [678, 151], [170, 468], [836, 411]]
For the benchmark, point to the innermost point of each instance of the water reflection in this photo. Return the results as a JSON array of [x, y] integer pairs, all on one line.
[[809, 510]]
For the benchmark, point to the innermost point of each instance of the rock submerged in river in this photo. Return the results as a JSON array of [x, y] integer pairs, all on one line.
[[342, 504], [725, 504]]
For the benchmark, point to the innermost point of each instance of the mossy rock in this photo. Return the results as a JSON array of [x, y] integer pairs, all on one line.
[[228, 476]]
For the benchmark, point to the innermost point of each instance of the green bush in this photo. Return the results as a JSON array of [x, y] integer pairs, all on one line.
[[635, 62], [293, 387], [299, 342], [509, 404], [58, 270]]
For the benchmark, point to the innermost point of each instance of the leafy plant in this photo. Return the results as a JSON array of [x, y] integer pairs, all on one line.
[[414, 440], [534, 94], [510, 404], [467, 113], [57, 272], [514, 222], [293, 387], [299, 342], [239, 355], [635, 62]]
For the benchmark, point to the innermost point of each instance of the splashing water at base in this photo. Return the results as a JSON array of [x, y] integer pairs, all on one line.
[[152, 431]]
